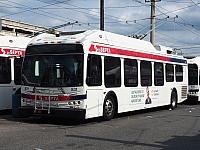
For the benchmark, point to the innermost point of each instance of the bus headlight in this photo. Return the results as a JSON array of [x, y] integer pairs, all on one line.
[[71, 104]]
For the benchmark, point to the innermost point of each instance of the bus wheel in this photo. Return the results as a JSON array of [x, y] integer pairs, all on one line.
[[173, 103], [108, 108]]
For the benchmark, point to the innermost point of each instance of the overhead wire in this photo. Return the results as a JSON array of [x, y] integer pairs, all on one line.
[[47, 14], [113, 7], [50, 4], [179, 9], [197, 4], [118, 20], [128, 22], [184, 21], [28, 8], [111, 16], [177, 1], [162, 13]]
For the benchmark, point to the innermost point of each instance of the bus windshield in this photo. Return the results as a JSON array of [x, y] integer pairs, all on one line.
[[61, 70]]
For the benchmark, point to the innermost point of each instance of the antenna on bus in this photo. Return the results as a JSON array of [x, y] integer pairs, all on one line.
[[52, 30]]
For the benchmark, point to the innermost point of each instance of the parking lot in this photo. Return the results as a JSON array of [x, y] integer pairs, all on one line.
[[157, 129]]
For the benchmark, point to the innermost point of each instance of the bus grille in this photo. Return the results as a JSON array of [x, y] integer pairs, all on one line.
[[184, 92]]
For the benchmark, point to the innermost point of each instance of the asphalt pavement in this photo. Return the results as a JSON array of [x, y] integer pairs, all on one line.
[[154, 129]]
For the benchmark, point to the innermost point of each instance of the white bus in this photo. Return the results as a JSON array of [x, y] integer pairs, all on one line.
[[193, 79], [11, 51], [97, 73]]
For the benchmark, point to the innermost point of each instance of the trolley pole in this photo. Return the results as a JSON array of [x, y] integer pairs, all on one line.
[[102, 15], [153, 21]]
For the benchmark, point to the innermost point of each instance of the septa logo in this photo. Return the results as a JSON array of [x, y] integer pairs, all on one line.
[[100, 49], [14, 52], [2, 51]]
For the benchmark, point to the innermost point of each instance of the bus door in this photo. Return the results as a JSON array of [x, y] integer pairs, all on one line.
[[6, 88], [94, 99], [17, 75], [94, 86]]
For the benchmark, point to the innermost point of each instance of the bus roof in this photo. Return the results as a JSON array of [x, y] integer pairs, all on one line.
[[96, 38], [195, 60]]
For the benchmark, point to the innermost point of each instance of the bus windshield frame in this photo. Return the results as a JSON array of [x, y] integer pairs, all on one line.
[[55, 65]]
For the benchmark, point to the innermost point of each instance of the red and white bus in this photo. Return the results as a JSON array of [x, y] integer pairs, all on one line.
[[193, 79], [11, 51], [97, 73]]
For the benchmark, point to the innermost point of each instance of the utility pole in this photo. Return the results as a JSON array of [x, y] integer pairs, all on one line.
[[102, 15], [153, 21]]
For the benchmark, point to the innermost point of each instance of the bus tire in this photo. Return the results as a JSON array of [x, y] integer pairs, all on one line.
[[173, 103], [109, 108]]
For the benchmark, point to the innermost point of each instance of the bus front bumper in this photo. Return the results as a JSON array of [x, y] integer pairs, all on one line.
[[71, 113]]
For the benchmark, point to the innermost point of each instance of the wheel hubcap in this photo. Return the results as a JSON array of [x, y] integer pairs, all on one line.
[[108, 107], [174, 101]]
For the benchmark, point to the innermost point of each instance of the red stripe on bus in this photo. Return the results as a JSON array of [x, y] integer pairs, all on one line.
[[110, 50], [54, 98], [46, 98]]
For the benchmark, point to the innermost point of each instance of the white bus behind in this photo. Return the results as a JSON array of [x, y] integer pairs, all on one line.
[[193, 79], [12, 50]]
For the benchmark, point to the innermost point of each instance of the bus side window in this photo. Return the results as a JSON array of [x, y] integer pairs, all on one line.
[[17, 70], [146, 73], [179, 73], [5, 70], [169, 69], [158, 74], [94, 70], [130, 73], [112, 72]]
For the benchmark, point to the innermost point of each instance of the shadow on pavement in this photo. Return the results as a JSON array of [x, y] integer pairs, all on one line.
[[182, 143], [175, 143], [69, 122]]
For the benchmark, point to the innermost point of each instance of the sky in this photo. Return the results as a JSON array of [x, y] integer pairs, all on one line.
[[177, 21]]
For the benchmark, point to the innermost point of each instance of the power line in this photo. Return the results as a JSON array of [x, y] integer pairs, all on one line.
[[197, 4], [111, 16], [114, 7], [174, 1], [186, 47], [179, 9], [185, 22], [171, 38], [33, 10], [61, 18], [29, 9], [184, 26]]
